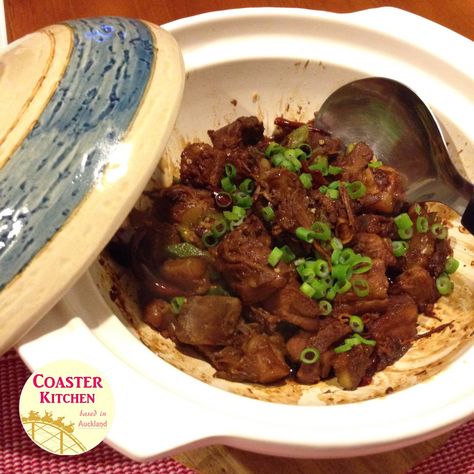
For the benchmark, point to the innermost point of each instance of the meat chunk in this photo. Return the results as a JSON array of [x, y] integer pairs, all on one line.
[[242, 132], [258, 358], [291, 305], [351, 366], [330, 331], [202, 166], [384, 190], [437, 261], [189, 274], [375, 247], [158, 314], [394, 330], [418, 283], [183, 204], [207, 320], [378, 286], [355, 162], [242, 259], [284, 191], [376, 224], [246, 162]]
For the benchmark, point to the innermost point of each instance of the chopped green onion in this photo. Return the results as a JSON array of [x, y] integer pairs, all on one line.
[[399, 248], [336, 244], [326, 307], [334, 185], [242, 199], [321, 268], [451, 265], [310, 355], [403, 221], [422, 224], [306, 180], [319, 289], [234, 224], [331, 293], [444, 285], [278, 159], [304, 234], [334, 170], [273, 148], [307, 273], [275, 256], [362, 340], [321, 230], [219, 228], [230, 170], [341, 271], [343, 348], [298, 136], [209, 239], [227, 185], [356, 189], [348, 256], [439, 231], [294, 153], [307, 290], [323, 189], [405, 234], [356, 323], [333, 193], [306, 149], [336, 255], [236, 213], [320, 164], [375, 164], [176, 304], [268, 213], [362, 265], [360, 287], [247, 186], [342, 286], [350, 147], [288, 255], [184, 250], [417, 208]]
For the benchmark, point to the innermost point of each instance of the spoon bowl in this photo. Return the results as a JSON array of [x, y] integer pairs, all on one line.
[[404, 134]]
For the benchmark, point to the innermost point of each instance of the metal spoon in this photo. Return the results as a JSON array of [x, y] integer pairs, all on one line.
[[403, 133]]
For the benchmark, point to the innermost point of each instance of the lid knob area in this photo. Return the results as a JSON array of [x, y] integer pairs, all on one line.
[[88, 106]]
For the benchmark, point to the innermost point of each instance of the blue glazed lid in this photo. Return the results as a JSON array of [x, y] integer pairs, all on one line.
[[88, 106]]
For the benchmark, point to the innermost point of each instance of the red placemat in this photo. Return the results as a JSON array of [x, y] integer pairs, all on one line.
[[18, 455]]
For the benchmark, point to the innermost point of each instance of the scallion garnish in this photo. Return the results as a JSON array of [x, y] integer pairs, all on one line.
[[230, 171], [444, 285], [403, 221], [356, 324], [321, 230], [268, 213], [439, 231], [405, 234], [275, 256], [342, 286], [422, 224], [332, 193], [334, 170], [242, 199], [451, 265], [209, 239], [219, 228], [360, 287], [307, 290], [304, 234], [176, 304], [306, 180], [399, 248], [288, 254], [326, 307], [247, 186], [356, 189], [227, 185], [362, 265], [310, 355], [375, 164]]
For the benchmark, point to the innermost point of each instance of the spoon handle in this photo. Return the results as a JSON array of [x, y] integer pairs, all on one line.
[[468, 216]]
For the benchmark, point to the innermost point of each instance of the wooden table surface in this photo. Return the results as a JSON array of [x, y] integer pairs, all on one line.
[[24, 16]]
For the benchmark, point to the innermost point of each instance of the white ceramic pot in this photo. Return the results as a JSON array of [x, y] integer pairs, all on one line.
[[267, 62]]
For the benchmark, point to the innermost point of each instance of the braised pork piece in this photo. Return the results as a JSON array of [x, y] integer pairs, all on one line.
[[287, 256]]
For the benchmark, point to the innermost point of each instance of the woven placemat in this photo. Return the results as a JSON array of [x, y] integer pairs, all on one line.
[[18, 455]]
